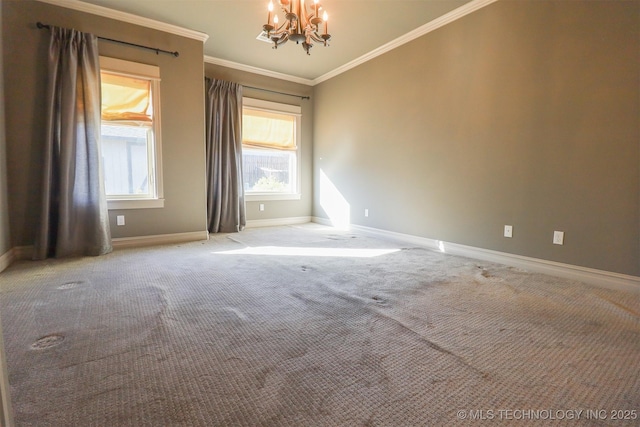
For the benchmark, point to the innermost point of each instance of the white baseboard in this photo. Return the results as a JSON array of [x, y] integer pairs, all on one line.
[[158, 239], [6, 259], [253, 223], [26, 252], [323, 221], [552, 268]]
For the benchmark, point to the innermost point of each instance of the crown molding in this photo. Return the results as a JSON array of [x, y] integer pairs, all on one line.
[[412, 35], [128, 17], [173, 29], [256, 70]]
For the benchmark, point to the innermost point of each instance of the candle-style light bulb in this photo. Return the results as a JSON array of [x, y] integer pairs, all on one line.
[[275, 21], [315, 4], [270, 8], [325, 18]]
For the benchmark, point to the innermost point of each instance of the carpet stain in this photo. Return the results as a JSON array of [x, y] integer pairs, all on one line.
[[379, 300], [485, 276], [338, 237], [620, 306], [47, 341], [69, 285]]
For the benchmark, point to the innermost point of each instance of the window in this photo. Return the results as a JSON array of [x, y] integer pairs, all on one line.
[[130, 134], [270, 150]]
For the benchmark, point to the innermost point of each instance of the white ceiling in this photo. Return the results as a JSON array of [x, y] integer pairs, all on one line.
[[357, 27]]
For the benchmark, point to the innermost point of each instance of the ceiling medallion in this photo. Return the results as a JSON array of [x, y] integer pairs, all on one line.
[[300, 25]]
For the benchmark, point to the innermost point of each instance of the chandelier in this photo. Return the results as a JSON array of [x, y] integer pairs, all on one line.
[[300, 25]]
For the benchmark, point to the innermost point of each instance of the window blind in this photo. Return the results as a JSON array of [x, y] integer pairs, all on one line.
[[126, 98], [264, 129]]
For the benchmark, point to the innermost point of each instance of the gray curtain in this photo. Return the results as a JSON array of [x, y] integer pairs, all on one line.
[[225, 193], [74, 216]]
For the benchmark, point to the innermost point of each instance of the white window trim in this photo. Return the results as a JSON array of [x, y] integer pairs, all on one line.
[[114, 204], [151, 72], [295, 110]]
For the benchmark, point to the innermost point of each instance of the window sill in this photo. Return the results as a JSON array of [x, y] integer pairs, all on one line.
[[135, 204], [260, 197]]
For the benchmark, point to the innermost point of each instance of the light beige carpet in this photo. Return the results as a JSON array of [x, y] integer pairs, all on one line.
[[308, 326]]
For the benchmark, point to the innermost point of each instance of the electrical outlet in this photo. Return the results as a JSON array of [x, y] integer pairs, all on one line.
[[261, 207], [366, 212], [508, 231], [558, 237], [120, 219]]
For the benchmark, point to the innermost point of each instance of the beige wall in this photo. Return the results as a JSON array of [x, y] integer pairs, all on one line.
[[522, 113], [283, 208], [182, 102], [5, 241]]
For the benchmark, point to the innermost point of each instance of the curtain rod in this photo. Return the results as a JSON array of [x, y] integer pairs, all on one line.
[[156, 50], [280, 93]]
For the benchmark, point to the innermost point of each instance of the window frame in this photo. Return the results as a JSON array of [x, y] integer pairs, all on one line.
[[281, 108], [151, 73]]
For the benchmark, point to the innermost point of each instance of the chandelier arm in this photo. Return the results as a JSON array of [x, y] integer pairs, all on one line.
[[283, 39], [316, 37], [281, 29], [321, 38], [311, 20], [284, 9], [303, 15]]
